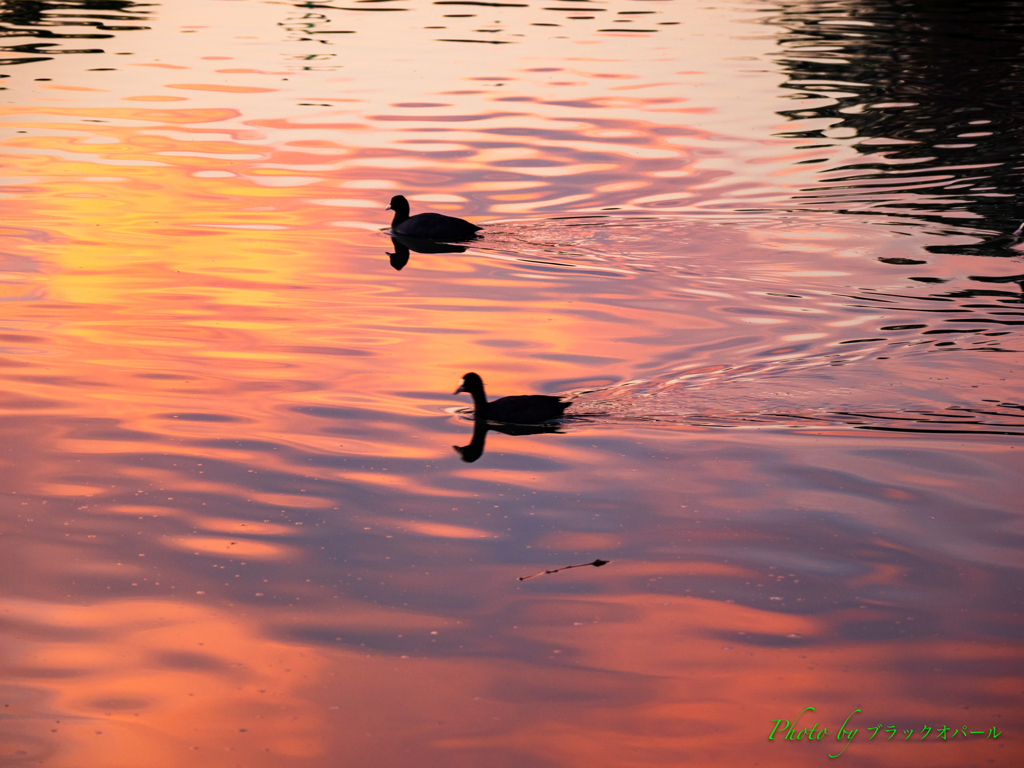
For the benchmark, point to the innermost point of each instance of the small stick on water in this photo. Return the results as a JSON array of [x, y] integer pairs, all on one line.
[[596, 564]]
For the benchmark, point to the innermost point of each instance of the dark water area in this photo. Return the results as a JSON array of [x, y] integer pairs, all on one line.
[[766, 250], [932, 92], [37, 31]]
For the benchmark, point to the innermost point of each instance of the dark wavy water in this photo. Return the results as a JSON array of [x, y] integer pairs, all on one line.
[[765, 248]]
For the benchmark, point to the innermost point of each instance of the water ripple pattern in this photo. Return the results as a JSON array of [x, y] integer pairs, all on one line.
[[765, 248]]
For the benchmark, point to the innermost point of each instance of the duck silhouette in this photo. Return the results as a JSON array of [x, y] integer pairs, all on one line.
[[429, 226], [517, 409]]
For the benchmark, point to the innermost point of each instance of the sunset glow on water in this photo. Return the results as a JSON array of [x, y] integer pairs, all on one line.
[[769, 262]]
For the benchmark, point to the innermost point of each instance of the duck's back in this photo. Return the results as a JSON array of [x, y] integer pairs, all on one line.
[[437, 226], [526, 409]]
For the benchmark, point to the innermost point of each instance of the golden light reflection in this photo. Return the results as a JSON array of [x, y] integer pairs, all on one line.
[[235, 547], [425, 528]]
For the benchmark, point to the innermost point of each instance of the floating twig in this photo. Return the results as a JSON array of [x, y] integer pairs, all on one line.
[[596, 564]]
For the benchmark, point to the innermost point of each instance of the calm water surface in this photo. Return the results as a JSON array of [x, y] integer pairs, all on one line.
[[763, 246]]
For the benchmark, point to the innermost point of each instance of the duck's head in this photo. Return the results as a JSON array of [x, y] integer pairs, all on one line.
[[471, 383], [398, 204]]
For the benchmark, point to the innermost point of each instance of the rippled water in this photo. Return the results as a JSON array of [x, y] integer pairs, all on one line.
[[765, 249]]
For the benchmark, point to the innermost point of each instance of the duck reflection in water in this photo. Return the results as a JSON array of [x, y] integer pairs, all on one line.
[[515, 415], [475, 449], [403, 245]]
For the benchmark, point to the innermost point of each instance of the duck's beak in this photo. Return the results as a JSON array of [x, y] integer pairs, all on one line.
[[462, 388], [389, 208]]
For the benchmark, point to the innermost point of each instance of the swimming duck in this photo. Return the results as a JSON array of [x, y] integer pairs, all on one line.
[[430, 226], [518, 409]]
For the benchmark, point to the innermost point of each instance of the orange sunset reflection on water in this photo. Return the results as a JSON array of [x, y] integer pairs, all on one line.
[[243, 520], [168, 681]]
